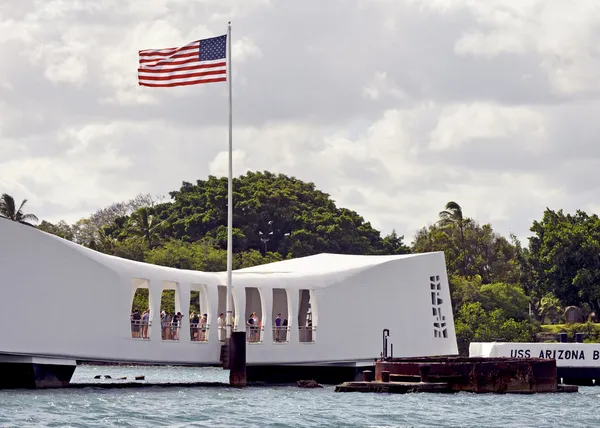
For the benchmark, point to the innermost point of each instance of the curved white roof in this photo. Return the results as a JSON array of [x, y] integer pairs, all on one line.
[[322, 264], [305, 266]]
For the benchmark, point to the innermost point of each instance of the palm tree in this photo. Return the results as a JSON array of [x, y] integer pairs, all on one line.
[[8, 209], [144, 225], [452, 216]]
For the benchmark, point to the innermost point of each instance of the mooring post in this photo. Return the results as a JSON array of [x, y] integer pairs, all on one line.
[[386, 333], [237, 359]]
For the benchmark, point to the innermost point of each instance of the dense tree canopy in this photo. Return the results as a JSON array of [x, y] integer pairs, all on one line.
[[274, 217], [564, 257], [471, 250], [292, 217]]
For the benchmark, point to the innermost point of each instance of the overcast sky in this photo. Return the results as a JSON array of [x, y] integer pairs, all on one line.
[[392, 107]]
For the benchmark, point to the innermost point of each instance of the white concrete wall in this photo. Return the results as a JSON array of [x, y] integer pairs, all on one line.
[[353, 313], [565, 354], [59, 299]]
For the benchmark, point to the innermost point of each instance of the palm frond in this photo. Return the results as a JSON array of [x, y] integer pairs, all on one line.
[[29, 217], [20, 210], [7, 206]]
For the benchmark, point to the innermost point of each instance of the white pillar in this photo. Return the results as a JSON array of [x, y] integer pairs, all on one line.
[[266, 300], [294, 299], [239, 300], [156, 287], [212, 297], [182, 294]]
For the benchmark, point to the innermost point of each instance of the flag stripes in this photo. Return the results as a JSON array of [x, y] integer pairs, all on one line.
[[201, 61]]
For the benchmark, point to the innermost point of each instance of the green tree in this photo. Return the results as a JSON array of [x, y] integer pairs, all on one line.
[[297, 218], [185, 255], [489, 255], [452, 216], [394, 244], [509, 298], [9, 210], [61, 229], [143, 224], [203, 256], [550, 309], [475, 324], [564, 255]]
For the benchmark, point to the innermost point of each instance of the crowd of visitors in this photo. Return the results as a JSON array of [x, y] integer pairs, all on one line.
[[171, 325]]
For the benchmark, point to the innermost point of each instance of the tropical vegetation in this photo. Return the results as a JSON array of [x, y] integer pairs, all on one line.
[[501, 289], [9, 210]]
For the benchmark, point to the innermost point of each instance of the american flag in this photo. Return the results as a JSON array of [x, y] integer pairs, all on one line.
[[202, 61]]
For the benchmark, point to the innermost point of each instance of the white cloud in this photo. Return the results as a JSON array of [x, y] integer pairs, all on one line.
[[459, 124], [382, 86], [70, 70], [219, 166], [489, 103], [245, 48]]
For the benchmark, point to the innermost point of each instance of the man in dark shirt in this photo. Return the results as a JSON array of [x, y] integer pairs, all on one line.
[[278, 328]]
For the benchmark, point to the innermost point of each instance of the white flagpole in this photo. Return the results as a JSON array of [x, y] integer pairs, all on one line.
[[229, 305]]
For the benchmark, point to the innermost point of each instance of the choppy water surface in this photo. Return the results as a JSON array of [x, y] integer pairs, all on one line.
[[280, 406]]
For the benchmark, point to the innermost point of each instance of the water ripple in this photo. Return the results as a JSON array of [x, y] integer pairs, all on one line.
[[278, 407]]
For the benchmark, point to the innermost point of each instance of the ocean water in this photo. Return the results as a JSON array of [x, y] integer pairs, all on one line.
[[279, 406]]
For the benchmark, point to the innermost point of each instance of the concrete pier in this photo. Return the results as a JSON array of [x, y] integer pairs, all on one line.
[[454, 374]]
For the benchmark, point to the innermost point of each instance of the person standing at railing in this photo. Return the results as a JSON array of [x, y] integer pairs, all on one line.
[[194, 331], [135, 324], [251, 328], [278, 328], [221, 327], [145, 322], [175, 325], [163, 325], [204, 327], [167, 326]]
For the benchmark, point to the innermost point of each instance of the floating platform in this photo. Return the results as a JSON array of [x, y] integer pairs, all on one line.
[[455, 374]]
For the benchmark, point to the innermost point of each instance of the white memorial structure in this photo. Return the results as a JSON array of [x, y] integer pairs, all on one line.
[[62, 303]]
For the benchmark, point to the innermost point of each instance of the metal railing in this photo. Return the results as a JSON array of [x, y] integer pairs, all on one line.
[[199, 332], [254, 333], [307, 334], [281, 334], [140, 329], [222, 332]]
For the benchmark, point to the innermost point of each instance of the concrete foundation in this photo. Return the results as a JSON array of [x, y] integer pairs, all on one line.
[[35, 372], [480, 375]]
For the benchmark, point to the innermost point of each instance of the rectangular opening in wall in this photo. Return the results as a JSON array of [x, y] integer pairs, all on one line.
[[221, 308], [306, 316], [199, 313], [170, 315], [280, 314], [140, 319], [254, 315]]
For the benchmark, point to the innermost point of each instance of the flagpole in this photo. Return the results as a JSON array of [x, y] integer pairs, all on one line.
[[229, 305]]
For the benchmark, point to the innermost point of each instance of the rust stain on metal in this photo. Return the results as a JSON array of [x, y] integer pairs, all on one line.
[[454, 374]]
